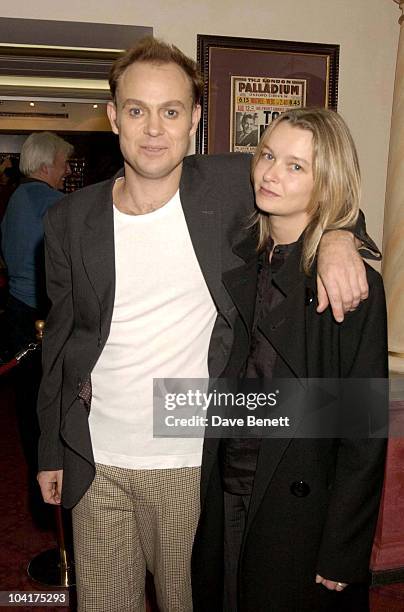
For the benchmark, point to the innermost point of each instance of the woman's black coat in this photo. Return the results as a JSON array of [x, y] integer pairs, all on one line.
[[315, 501]]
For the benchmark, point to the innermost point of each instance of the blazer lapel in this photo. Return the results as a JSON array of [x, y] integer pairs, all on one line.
[[241, 282], [98, 255], [203, 217]]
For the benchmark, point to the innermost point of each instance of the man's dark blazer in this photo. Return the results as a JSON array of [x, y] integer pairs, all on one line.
[[217, 199], [314, 503]]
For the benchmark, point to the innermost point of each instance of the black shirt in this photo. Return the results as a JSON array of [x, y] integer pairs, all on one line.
[[239, 455]]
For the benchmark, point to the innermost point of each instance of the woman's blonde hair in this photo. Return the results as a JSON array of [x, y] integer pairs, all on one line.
[[334, 203]]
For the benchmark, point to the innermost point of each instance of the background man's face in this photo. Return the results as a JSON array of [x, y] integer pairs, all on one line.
[[155, 117], [248, 125], [58, 170]]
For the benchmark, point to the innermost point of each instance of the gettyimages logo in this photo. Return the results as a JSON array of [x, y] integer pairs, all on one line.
[[195, 398]]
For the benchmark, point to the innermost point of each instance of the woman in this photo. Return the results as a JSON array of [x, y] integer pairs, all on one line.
[[287, 524]]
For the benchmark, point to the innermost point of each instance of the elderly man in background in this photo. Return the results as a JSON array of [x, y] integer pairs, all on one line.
[[44, 163]]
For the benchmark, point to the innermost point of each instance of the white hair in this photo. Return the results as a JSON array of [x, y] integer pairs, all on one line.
[[40, 149]]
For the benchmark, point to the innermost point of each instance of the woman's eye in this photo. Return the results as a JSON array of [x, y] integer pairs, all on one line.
[[296, 167], [268, 156]]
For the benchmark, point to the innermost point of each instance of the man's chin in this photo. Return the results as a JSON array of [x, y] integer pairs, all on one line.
[[154, 172]]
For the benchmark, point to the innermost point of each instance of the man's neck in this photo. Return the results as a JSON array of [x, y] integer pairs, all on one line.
[[137, 195], [39, 176]]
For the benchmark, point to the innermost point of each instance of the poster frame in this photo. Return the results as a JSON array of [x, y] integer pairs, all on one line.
[[221, 57]]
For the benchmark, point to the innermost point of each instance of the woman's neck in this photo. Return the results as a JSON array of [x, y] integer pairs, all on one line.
[[286, 230]]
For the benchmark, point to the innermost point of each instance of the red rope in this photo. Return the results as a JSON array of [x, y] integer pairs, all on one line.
[[8, 366]]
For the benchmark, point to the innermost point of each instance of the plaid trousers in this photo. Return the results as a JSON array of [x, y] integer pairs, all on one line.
[[129, 521]]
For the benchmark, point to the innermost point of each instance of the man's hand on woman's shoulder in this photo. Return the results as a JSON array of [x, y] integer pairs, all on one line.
[[341, 274]]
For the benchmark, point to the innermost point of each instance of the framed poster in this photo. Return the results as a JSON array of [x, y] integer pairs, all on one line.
[[249, 82]]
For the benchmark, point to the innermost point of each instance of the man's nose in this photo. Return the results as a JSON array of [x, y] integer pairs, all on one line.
[[68, 169], [153, 124]]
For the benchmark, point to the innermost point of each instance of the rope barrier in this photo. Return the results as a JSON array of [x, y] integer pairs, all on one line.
[[6, 367]]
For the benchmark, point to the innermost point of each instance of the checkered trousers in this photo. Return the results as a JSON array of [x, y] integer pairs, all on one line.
[[130, 520]]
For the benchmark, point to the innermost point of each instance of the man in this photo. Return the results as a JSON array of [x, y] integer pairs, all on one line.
[[134, 275], [248, 135], [44, 163]]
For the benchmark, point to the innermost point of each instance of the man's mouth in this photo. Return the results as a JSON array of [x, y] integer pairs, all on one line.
[[153, 149]]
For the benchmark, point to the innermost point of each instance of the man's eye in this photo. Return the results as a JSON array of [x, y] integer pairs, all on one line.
[[135, 112], [171, 113]]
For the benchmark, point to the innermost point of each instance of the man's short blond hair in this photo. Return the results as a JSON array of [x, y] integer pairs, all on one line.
[[157, 52]]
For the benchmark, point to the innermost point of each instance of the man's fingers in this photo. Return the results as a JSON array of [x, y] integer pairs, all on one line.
[[48, 491], [344, 294], [358, 283], [333, 299], [364, 287], [336, 301], [321, 296], [342, 272], [51, 486], [362, 281]]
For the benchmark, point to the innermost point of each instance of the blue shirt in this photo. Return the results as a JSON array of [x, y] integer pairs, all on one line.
[[22, 240]]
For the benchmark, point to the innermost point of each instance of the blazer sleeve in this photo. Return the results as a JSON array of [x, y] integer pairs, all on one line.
[[353, 509], [369, 248], [58, 328]]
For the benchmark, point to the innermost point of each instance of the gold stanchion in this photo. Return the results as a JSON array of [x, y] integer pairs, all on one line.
[[53, 567]]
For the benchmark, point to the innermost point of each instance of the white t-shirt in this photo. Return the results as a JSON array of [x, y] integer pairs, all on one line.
[[161, 327]]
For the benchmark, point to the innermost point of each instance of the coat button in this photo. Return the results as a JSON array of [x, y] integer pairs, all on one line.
[[309, 297], [299, 488]]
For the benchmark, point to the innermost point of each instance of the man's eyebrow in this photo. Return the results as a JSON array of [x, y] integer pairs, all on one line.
[[129, 101]]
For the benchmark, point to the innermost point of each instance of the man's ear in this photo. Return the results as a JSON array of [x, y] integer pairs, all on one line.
[[44, 169], [195, 118], [112, 114]]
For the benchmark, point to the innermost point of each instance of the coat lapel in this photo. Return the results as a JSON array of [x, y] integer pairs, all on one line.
[[270, 454], [285, 329], [285, 325]]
